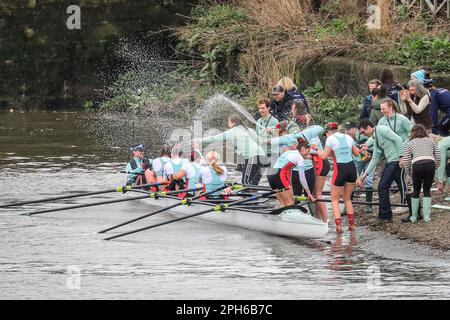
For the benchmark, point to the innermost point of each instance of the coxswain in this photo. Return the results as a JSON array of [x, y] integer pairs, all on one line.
[[139, 169], [281, 176], [342, 147]]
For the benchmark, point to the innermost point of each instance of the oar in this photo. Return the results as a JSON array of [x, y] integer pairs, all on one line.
[[364, 203], [181, 202], [152, 195], [217, 208], [118, 189]]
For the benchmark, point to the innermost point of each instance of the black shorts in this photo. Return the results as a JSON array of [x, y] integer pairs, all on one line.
[[297, 187], [321, 166], [281, 179], [344, 173]]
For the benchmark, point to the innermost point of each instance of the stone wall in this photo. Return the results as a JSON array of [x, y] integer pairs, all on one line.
[[43, 64], [344, 76]]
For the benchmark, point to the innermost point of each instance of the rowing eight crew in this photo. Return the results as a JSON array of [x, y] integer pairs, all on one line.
[[202, 173]]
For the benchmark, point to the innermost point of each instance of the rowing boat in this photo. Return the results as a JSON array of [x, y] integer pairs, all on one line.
[[290, 223]]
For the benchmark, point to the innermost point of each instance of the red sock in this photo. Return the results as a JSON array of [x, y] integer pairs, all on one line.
[[338, 222], [351, 219]]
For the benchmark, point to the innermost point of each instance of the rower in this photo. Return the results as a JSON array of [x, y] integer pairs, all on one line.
[[442, 177], [159, 163], [174, 166], [342, 147], [190, 171], [281, 178], [139, 168], [213, 176]]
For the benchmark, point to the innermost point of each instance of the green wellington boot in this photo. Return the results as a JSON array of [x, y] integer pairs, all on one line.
[[426, 204], [415, 203]]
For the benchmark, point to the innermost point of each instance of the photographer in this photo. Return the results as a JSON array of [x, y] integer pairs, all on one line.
[[291, 90], [416, 104], [440, 101]]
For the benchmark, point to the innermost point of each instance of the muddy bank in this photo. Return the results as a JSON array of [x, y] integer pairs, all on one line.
[[435, 234]]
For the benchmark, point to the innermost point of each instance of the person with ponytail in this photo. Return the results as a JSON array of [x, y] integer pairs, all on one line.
[[213, 176], [246, 145]]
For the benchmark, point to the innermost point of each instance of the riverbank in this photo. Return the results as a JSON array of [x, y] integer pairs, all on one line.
[[435, 234]]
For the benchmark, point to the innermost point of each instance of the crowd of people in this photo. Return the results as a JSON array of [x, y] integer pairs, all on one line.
[[405, 125]]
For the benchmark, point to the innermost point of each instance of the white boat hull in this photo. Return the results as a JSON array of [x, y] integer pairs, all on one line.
[[292, 223]]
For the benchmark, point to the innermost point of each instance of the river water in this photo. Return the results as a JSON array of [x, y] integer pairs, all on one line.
[[60, 255]]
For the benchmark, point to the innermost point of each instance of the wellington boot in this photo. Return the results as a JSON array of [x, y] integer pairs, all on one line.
[[369, 199], [426, 205], [415, 203]]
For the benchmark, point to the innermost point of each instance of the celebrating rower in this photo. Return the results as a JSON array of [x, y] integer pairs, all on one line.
[[281, 178], [342, 147], [245, 142], [173, 166], [213, 176], [189, 171], [159, 163], [139, 168]]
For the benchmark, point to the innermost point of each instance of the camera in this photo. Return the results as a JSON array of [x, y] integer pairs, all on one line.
[[401, 86]]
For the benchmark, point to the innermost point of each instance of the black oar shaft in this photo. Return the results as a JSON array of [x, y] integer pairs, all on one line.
[[118, 189], [162, 209], [216, 208], [96, 204]]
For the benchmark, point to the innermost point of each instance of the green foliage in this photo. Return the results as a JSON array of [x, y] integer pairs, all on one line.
[[325, 109], [88, 105], [422, 51]]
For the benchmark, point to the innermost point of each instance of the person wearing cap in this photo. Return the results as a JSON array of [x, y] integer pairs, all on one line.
[[343, 148], [419, 75], [281, 104], [440, 102], [139, 168], [362, 160], [389, 144], [280, 177]]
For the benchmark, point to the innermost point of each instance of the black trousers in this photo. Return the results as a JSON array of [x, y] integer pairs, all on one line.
[[391, 173], [423, 177], [251, 173], [297, 187]]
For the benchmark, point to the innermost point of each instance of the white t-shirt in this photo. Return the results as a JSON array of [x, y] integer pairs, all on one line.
[[168, 168], [333, 143], [206, 176], [157, 164]]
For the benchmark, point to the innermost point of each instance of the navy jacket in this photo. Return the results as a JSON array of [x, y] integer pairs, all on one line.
[[367, 106], [440, 101], [297, 95]]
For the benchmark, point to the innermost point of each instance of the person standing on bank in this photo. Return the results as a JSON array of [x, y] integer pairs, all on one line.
[[281, 105], [390, 145], [421, 157], [291, 89], [265, 124], [440, 101], [367, 103], [416, 104], [245, 142], [443, 171]]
